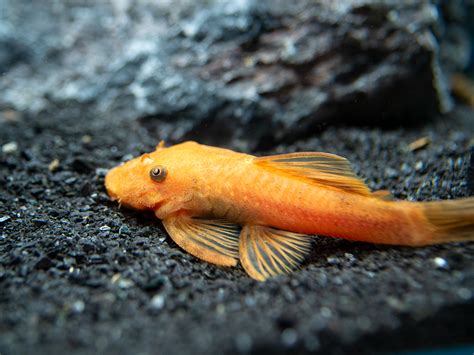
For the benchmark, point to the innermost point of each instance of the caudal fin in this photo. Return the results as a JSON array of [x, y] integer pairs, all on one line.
[[452, 220]]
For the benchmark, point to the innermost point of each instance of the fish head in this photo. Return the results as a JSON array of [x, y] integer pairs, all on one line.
[[150, 180]]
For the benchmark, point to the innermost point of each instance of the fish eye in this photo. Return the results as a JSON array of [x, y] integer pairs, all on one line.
[[158, 173]]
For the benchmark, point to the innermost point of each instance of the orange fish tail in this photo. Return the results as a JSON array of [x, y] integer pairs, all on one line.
[[449, 221]]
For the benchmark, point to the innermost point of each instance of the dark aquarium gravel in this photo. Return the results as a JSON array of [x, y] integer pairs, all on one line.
[[80, 275]]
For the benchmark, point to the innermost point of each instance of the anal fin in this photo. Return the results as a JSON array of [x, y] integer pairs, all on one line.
[[213, 240], [267, 252]]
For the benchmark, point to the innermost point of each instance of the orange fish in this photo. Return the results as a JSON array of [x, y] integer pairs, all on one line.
[[222, 206]]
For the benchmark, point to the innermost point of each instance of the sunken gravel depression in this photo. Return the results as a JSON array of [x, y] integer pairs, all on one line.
[[87, 85]]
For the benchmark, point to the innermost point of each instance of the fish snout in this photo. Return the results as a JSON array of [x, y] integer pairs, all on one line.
[[129, 187], [112, 184]]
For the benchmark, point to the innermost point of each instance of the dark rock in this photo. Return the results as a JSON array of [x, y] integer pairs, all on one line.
[[44, 263], [457, 35], [40, 221], [254, 72], [156, 283], [470, 174], [82, 165]]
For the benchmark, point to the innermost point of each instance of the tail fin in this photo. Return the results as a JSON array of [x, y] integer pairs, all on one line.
[[452, 220]]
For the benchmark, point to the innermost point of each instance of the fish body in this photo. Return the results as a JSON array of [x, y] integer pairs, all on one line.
[[222, 206]]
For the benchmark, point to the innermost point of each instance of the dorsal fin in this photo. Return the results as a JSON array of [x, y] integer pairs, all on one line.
[[324, 168]]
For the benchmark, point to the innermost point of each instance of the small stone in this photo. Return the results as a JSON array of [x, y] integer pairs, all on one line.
[[124, 230], [157, 302], [250, 301], [370, 274], [24, 270], [391, 173], [162, 239], [419, 144], [405, 169], [4, 218], [350, 257], [10, 147], [78, 306], [70, 180], [156, 283], [171, 263], [44, 263], [86, 139], [82, 165], [289, 337], [419, 166], [125, 283], [121, 282], [440, 263], [11, 115], [40, 222], [220, 310], [104, 228], [96, 259], [465, 293], [395, 303], [88, 247], [101, 172], [54, 165], [326, 312]]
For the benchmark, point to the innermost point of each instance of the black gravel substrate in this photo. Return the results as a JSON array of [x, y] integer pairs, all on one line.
[[79, 275]]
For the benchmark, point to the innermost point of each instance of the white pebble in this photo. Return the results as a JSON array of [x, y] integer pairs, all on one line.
[[289, 337], [10, 147], [158, 301], [78, 306], [440, 262], [124, 283], [465, 293], [326, 312]]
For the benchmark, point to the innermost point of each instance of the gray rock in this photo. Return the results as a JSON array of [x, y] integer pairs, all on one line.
[[251, 73], [248, 72]]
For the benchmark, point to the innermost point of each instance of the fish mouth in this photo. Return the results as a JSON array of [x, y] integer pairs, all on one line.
[[125, 187], [112, 183], [109, 186]]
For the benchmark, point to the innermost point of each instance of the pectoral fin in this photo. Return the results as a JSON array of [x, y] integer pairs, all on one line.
[[323, 168], [213, 240], [267, 252]]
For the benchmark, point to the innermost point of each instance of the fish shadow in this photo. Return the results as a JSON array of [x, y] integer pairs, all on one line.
[[328, 250]]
